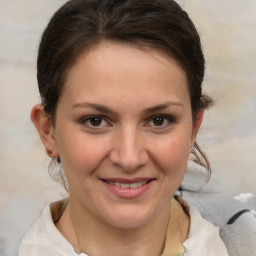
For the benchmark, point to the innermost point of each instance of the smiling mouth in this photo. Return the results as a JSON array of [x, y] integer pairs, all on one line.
[[128, 185]]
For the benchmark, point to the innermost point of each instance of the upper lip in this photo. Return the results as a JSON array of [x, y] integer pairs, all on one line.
[[128, 181]]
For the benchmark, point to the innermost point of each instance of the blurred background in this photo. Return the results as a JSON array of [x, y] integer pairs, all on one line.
[[228, 32]]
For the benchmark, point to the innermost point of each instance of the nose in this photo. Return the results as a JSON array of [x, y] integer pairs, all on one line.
[[128, 150]]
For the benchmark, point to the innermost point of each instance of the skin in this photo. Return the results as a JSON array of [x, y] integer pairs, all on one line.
[[144, 129]]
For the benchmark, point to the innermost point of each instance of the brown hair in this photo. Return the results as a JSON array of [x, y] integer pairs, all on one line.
[[156, 24]]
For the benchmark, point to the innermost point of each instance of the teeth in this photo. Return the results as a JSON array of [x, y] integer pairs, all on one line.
[[134, 185], [126, 185]]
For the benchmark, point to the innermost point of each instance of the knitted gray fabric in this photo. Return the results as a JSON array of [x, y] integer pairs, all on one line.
[[217, 207]]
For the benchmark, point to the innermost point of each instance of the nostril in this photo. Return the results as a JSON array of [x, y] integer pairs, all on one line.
[[128, 152], [127, 161]]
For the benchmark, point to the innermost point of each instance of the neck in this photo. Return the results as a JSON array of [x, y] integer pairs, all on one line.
[[90, 235]]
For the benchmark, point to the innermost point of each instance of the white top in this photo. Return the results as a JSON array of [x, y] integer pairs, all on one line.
[[44, 238]]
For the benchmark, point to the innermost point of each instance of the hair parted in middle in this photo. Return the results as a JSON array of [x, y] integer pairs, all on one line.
[[159, 25], [81, 24]]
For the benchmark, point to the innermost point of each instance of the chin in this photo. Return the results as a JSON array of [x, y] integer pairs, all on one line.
[[130, 218]]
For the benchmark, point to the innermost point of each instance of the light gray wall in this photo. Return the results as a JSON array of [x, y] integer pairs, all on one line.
[[228, 32]]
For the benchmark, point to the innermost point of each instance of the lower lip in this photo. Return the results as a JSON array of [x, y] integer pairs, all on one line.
[[128, 193]]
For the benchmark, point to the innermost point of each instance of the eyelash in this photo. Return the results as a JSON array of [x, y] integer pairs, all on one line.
[[170, 120], [90, 118]]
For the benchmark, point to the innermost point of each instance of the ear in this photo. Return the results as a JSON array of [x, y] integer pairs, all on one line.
[[197, 124], [45, 130]]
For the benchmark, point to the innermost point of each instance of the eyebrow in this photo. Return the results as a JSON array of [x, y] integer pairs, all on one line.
[[95, 106], [162, 107], [105, 109]]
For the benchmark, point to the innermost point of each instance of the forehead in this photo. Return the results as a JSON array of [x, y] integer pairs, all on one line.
[[113, 70]]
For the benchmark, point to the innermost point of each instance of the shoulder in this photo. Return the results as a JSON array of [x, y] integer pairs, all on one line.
[[235, 216], [43, 238], [236, 220], [204, 231]]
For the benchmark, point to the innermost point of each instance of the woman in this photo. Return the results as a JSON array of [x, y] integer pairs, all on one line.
[[122, 102]]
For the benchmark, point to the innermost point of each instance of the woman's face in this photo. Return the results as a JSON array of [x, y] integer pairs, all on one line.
[[124, 132]]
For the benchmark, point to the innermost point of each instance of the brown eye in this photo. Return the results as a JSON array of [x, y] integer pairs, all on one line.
[[161, 121], [158, 121], [95, 121]]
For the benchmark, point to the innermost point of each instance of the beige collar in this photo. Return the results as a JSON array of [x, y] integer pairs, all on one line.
[[178, 228]]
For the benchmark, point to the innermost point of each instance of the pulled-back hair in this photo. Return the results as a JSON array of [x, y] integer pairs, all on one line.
[[80, 24], [155, 24]]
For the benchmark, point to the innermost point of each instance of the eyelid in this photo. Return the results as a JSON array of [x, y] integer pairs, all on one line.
[[89, 117], [171, 120]]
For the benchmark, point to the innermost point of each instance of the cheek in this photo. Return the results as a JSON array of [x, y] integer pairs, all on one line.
[[172, 155], [80, 154]]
